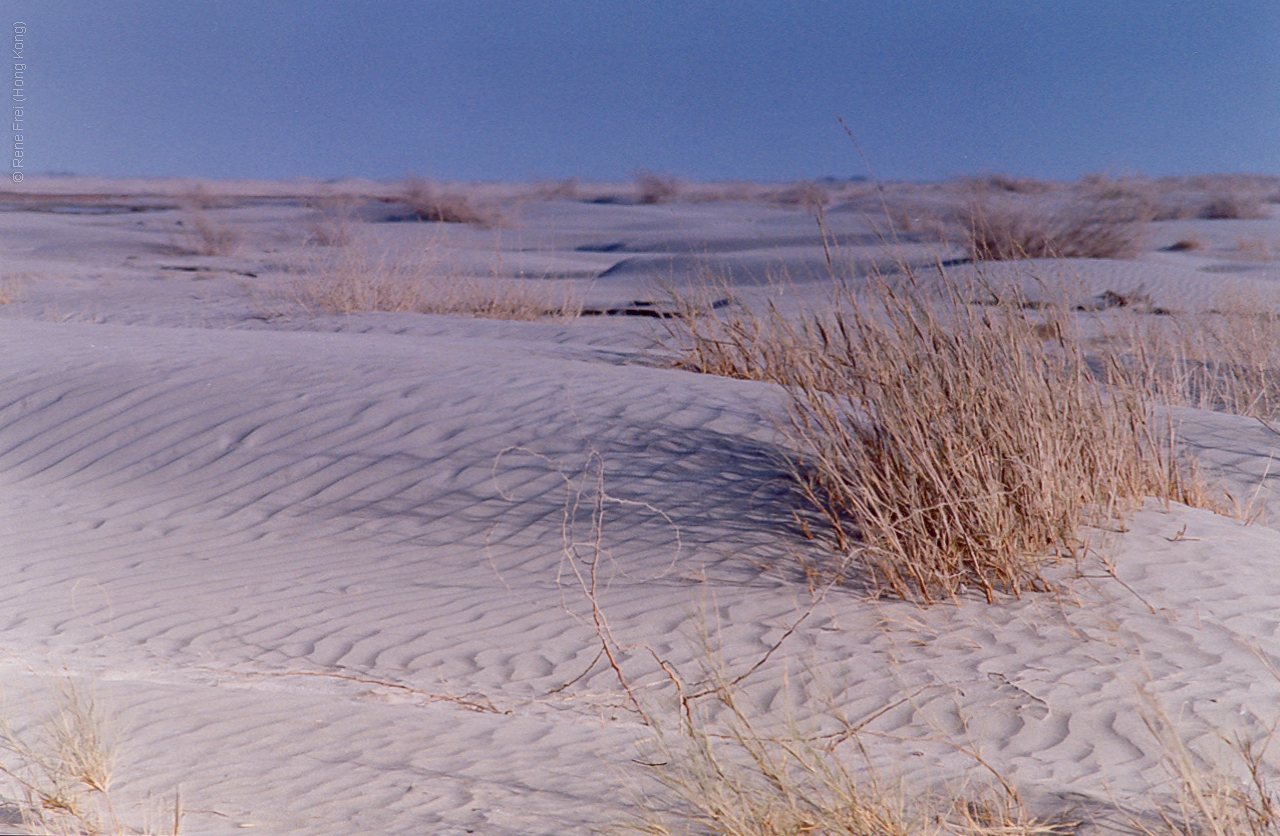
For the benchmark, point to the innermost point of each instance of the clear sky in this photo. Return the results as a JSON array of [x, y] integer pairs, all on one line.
[[702, 89]]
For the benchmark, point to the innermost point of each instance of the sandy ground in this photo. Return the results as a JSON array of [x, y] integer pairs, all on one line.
[[314, 565]]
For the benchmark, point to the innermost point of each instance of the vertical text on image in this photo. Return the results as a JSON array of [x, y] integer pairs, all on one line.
[[19, 98]]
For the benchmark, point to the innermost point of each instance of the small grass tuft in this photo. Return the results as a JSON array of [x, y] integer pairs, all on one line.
[[1227, 359], [10, 289], [729, 772], [333, 225], [205, 236]]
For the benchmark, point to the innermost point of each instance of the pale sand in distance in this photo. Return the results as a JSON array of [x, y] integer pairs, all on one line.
[[314, 564]]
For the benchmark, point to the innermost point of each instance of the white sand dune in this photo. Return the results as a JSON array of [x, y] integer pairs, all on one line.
[[315, 565]]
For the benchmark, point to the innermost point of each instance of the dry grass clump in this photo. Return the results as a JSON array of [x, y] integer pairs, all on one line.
[[1232, 206], [1004, 183], [334, 223], [61, 774], [656, 188], [201, 233], [1256, 249], [732, 778], [728, 773], [566, 189], [427, 203], [807, 195], [10, 287], [948, 446], [354, 279], [1227, 359], [1091, 229], [205, 236], [1154, 200]]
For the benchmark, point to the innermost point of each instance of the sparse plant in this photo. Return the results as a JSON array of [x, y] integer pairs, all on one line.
[[355, 278], [10, 289], [205, 236], [1000, 231], [1232, 206], [1256, 249], [333, 224], [428, 203], [733, 777], [61, 774], [807, 195], [1005, 183], [558, 190], [655, 188], [1211, 797], [1227, 359]]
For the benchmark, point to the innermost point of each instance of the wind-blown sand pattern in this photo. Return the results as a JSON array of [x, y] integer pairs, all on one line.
[[315, 564]]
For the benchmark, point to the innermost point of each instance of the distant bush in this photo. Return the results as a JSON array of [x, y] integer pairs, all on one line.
[[427, 203], [353, 279], [1230, 206], [1096, 229], [1011, 185], [656, 188]]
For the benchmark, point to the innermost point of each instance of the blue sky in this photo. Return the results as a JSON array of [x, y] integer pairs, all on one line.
[[702, 89]]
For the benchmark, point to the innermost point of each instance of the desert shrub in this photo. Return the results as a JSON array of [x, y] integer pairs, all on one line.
[[206, 236], [333, 224], [807, 195], [1232, 206], [1093, 229], [427, 203], [1011, 185], [655, 188], [561, 189], [354, 278], [947, 445]]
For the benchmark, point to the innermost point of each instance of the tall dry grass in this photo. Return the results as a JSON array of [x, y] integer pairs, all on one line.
[[1226, 359], [356, 278], [63, 775], [948, 445], [1001, 231], [427, 202], [1228, 795]]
